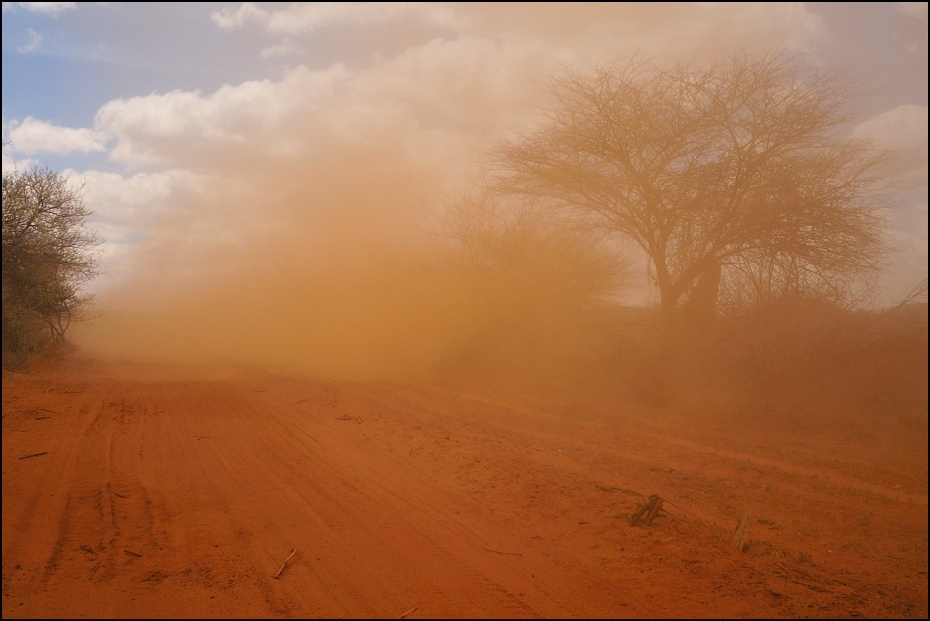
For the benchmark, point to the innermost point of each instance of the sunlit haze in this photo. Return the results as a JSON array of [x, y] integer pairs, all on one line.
[[265, 173], [465, 310]]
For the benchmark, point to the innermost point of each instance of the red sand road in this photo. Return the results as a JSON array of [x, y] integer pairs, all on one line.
[[134, 496]]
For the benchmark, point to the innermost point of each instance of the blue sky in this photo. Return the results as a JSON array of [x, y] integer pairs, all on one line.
[[197, 127]]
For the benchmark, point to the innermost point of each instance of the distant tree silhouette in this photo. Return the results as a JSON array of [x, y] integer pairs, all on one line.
[[740, 171]]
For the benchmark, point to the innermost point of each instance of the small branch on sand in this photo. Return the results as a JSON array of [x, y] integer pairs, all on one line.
[[739, 537], [646, 512], [785, 569], [284, 566], [131, 553], [504, 553], [34, 455], [404, 616], [669, 502]]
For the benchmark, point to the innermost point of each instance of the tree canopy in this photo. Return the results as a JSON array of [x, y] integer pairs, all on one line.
[[742, 170], [48, 254]]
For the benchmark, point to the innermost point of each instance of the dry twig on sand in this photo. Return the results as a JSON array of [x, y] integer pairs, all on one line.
[[709, 529], [739, 537], [284, 566], [646, 512]]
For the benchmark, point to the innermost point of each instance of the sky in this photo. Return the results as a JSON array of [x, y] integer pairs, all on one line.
[[213, 137]]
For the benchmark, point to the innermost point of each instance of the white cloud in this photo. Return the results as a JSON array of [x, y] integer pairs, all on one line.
[[229, 19], [913, 9], [469, 87], [125, 209], [593, 30], [285, 48], [903, 127], [35, 42], [185, 126], [121, 200], [912, 232], [904, 131], [34, 136], [11, 164], [908, 264], [603, 31], [473, 84], [49, 8], [305, 17]]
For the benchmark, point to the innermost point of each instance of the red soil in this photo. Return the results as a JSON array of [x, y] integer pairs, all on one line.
[[128, 495]]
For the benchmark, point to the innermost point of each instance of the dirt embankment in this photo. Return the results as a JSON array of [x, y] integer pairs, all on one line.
[[131, 495]]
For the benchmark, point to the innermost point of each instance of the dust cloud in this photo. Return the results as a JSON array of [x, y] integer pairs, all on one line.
[[332, 255], [334, 267]]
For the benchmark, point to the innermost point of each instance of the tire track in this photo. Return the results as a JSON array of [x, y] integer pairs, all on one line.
[[394, 497]]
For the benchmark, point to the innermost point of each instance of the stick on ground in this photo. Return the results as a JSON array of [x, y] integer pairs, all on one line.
[[281, 571], [739, 537], [647, 512]]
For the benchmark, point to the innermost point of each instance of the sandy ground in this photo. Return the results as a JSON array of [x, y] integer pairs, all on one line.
[[129, 492]]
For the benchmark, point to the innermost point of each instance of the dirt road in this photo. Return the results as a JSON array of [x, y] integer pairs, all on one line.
[[128, 495]]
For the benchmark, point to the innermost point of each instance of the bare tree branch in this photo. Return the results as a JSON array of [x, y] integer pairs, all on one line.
[[48, 255], [740, 168]]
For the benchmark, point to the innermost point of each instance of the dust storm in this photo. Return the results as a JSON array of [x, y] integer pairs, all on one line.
[[367, 375], [345, 268]]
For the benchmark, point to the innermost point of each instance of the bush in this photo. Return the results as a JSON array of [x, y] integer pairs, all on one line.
[[48, 255]]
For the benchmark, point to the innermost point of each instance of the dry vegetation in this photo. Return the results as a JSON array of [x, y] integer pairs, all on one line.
[[485, 413]]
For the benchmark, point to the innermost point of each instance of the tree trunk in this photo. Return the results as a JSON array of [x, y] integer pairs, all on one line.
[[702, 303], [668, 297]]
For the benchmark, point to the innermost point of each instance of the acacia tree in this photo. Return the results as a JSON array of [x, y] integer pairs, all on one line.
[[739, 169], [48, 255]]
